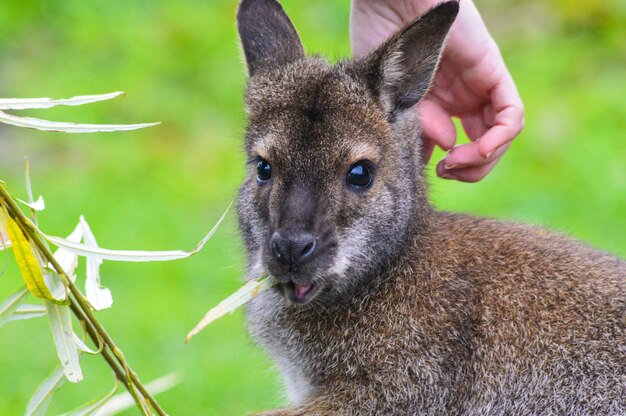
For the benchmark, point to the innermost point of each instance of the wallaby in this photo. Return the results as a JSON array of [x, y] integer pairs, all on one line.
[[385, 306]]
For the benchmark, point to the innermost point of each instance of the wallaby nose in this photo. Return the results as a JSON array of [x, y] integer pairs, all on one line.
[[293, 249]]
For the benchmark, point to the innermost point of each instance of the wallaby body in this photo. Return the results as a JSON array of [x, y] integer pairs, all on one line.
[[506, 320], [385, 306]]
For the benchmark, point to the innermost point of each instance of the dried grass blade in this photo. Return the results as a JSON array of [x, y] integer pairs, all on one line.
[[231, 303], [90, 409], [39, 402], [131, 255], [45, 125], [125, 401], [62, 334], [38, 205], [10, 306], [24, 312], [99, 296], [26, 103]]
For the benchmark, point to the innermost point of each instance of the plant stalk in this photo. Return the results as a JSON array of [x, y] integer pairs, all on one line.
[[118, 370], [83, 312]]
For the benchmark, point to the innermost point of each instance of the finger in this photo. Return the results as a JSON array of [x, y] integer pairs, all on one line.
[[474, 125], [508, 118], [503, 131], [489, 115], [462, 156], [470, 174], [437, 124], [467, 155]]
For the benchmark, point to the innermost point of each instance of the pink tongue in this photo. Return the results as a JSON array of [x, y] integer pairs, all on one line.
[[302, 290]]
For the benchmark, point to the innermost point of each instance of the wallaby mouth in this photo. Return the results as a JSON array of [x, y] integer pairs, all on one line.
[[300, 294]]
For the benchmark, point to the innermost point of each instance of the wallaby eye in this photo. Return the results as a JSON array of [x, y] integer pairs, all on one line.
[[360, 174], [263, 171]]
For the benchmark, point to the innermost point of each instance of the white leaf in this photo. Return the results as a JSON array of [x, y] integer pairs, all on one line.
[[62, 334], [38, 404], [80, 344], [125, 401], [35, 123], [90, 408], [231, 303], [38, 205], [28, 312], [131, 255], [5, 242], [24, 103], [29, 188], [31, 308], [99, 297], [69, 261], [9, 306], [54, 284]]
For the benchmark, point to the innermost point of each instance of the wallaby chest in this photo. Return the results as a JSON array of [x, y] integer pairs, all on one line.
[[361, 342]]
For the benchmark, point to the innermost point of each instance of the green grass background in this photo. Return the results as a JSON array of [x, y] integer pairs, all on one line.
[[164, 187]]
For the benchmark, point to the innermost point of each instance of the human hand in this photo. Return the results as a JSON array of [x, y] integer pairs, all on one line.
[[472, 83]]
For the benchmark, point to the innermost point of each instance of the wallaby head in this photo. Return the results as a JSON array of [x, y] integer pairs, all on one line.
[[335, 184]]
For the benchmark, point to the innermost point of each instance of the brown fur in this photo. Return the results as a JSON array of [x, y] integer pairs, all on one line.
[[419, 312]]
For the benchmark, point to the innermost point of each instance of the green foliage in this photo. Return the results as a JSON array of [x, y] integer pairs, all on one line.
[[581, 14], [179, 63]]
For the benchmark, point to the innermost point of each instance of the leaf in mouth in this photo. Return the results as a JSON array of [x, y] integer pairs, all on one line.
[[242, 296]]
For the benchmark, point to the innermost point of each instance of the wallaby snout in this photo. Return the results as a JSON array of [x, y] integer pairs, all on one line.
[[293, 248], [299, 246]]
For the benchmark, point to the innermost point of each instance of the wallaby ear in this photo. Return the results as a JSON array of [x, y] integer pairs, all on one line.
[[404, 65], [267, 35]]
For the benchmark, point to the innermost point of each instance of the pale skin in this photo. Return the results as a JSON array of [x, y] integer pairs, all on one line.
[[472, 84]]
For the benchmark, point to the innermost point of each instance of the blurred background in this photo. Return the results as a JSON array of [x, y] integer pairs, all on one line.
[[163, 188]]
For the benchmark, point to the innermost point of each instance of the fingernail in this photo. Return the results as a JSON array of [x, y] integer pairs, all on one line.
[[447, 176], [454, 166], [442, 162], [488, 155]]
